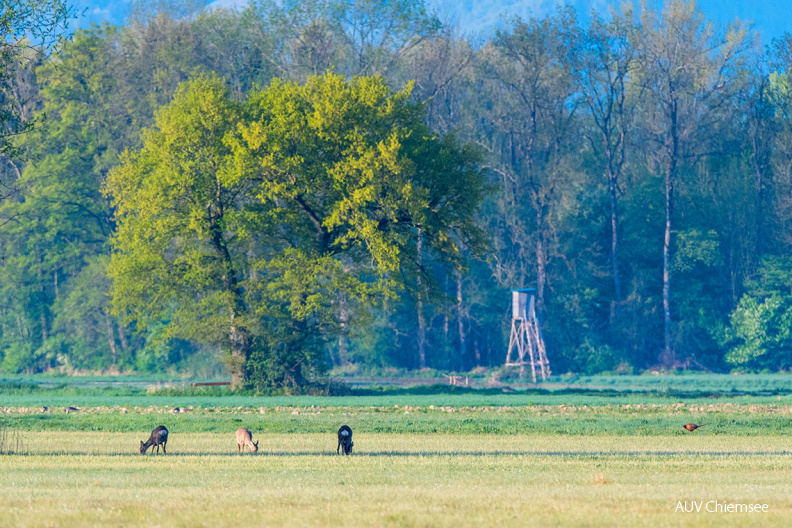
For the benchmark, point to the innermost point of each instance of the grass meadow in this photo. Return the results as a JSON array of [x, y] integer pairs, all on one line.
[[587, 458]]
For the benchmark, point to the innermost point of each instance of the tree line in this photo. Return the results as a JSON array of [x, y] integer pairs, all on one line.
[[634, 168]]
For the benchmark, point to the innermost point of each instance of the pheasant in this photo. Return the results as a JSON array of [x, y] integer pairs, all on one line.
[[692, 427]]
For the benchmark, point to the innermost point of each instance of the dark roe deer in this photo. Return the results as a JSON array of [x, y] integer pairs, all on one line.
[[345, 440], [159, 437], [244, 438]]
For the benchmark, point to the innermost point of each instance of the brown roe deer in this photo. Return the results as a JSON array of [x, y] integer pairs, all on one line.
[[244, 438], [159, 437]]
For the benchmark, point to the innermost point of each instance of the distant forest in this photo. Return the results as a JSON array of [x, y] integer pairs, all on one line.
[[636, 169]]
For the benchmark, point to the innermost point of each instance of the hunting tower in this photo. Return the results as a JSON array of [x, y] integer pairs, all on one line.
[[525, 335]]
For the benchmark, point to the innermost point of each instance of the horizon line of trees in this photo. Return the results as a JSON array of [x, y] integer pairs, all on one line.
[[639, 175]]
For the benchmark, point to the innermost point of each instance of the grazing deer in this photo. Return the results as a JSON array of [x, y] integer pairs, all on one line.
[[159, 437], [345, 440], [244, 438], [68, 410]]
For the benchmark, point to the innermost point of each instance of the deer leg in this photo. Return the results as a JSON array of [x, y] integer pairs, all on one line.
[[339, 447], [163, 450]]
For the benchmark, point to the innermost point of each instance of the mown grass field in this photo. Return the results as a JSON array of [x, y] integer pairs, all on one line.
[[472, 459], [79, 479]]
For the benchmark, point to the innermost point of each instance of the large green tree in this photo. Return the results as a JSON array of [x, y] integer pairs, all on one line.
[[261, 226]]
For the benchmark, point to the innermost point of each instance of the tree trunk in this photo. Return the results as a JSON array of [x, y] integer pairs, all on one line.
[[421, 335], [238, 336], [240, 351], [344, 317], [22, 332], [343, 324], [445, 318], [44, 333], [420, 309], [761, 162], [111, 336], [42, 299], [343, 348], [122, 337], [541, 274], [461, 323], [668, 354], [759, 205], [612, 188]]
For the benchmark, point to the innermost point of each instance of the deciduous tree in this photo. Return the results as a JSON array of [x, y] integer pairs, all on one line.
[[250, 219]]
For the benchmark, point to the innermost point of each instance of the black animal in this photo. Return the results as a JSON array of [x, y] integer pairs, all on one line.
[[159, 437], [345, 440]]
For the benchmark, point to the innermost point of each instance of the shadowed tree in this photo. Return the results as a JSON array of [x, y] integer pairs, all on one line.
[[606, 59], [691, 71], [530, 136]]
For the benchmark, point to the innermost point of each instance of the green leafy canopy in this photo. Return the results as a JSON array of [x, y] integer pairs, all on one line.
[[266, 219]]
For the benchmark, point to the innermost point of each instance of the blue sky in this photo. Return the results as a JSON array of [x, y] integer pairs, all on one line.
[[771, 17]]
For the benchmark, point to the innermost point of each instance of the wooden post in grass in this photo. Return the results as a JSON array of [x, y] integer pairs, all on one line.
[[526, 338], [454, 380]]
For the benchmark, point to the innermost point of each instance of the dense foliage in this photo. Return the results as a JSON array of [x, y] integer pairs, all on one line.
[[23, 23], [638, 169], [267, 227]]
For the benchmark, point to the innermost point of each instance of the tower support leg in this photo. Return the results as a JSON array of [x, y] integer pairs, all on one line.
[[527, 339]]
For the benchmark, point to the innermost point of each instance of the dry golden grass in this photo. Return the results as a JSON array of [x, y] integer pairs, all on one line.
[[91, 479]]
